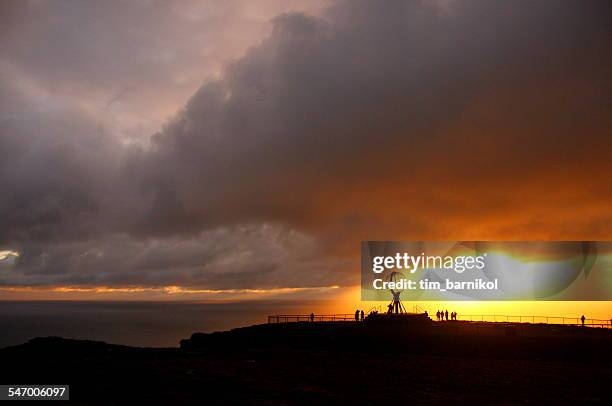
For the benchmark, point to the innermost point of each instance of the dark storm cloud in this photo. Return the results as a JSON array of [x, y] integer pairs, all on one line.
[[374, 95], [238, 258], [153, 54], [376, 121]]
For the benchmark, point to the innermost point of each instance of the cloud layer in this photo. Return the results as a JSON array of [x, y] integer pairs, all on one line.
[[395, 120]]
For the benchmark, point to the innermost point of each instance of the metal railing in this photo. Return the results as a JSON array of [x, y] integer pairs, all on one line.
[[292, 318], [419, 309], [568, 321]]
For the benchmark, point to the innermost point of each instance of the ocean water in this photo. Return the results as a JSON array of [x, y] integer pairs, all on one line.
[[151, 324]]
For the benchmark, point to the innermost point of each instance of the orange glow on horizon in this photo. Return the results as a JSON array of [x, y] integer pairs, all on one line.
[[335, 299], [171, 292]]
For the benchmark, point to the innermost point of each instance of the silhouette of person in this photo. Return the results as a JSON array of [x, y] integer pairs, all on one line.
[[583, 319], [362, 315], [447, 315], [390, 307], [438, 315], [426, 314], [357, 315], [311, 317]]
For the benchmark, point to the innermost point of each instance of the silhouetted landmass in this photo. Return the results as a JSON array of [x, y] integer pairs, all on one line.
[[419, 336], [337, 362]]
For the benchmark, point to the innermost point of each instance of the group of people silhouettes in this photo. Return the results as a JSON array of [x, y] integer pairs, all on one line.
[[359, 315], [443, 315]]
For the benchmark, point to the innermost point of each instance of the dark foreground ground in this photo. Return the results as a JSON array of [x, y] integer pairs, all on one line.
[[337, 363]]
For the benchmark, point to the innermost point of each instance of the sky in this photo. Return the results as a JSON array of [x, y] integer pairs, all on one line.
[[236, 149]]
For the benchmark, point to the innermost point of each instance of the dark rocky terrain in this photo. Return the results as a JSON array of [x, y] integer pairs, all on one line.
[[344, 362]]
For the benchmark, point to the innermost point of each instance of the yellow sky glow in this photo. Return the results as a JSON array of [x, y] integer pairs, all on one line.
[[341, 300]]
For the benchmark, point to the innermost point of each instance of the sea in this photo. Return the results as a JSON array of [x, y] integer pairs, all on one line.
[[143, 324]]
